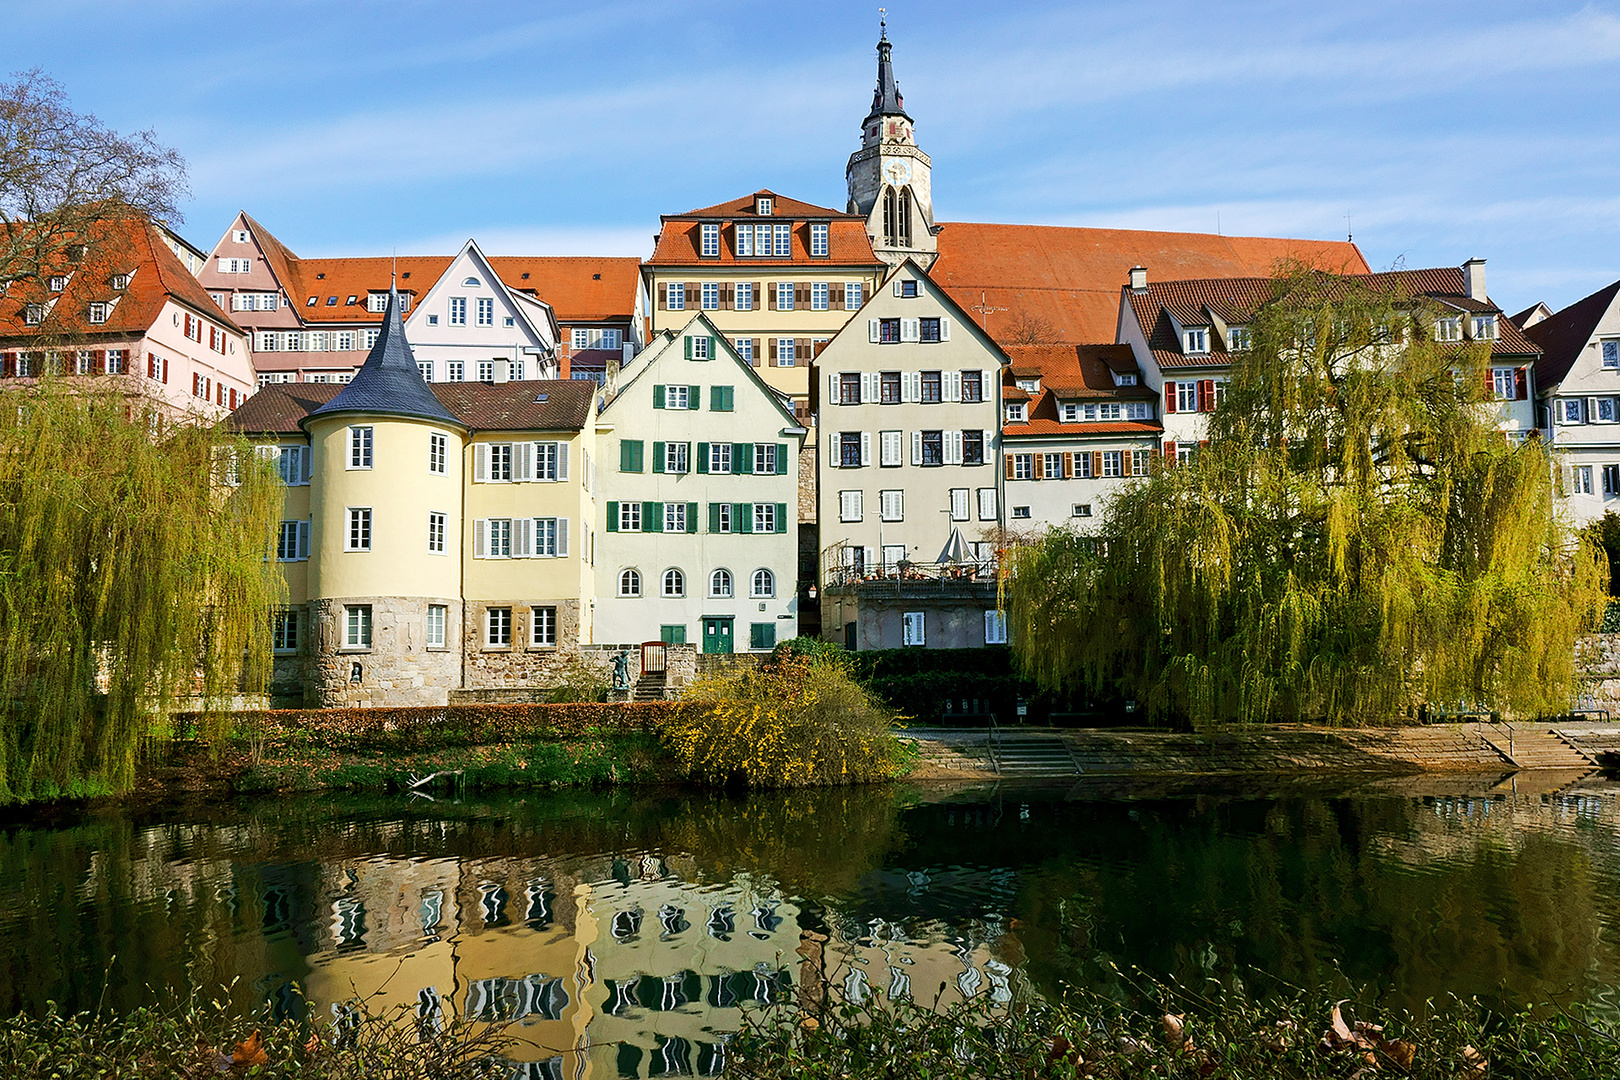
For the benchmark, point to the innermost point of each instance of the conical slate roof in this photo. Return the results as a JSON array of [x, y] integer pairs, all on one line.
[[886, 99], [389, 383]]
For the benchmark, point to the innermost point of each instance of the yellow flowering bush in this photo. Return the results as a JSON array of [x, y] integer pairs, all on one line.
[[795, 722]]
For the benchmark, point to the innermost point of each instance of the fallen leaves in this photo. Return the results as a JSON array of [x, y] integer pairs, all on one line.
[[1365, 1038]]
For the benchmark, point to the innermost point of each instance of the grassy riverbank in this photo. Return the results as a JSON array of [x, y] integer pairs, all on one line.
[[1217, 1033]]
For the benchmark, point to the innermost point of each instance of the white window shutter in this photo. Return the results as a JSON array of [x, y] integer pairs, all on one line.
[[953, 448], [523, 466], [989, 454], [945, 330], [987, 504], [891, 448], [303, 540], [870, 557], [522, 537], [897, 286], [480, 544], [562, 461], [871, 329], [480, 465], [871, 387], [916, 448], [952, 390], [866, 448], [832, 452], [910, 329], [562, 537], [911, 386], [832, 389]]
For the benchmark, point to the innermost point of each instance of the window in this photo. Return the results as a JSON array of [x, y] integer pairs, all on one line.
[[359, 537], [1023, 466], [514, 371], [675, 517], [762, 635], [292, 541], [438, 452], [1484, 327], [931, 387], [83, 363], [849, 450], [889, 387], [677, 396], [764, 585], [499, 467], [818, 240], [1569, 410], [436, 530], [906, 288], [98, 313], [1015, 412], [543, 627], [1141, 462], [458, 311], [972, 387], [498, 628], [765, 462], [239, 236], [913, 629], [630, 583], [785, 352], [891, 505], [115, 361], [1606, 411], [698, 347], [720, 517], [744, 240], [1082, 509], [928, 329], [360, 447], [33, 315], [1503, 383], [357, 626], [762, 207], [376, 301], [783, 235], [995, 628], [674, 584], [784, 296], [1142, 410], [675, 457], [677, 296], [720, 584], [1611, 354], [121, 281], [345, 341], [888, 331], [1020, 512], [586, 338], [1582, 477], [743, 295], [1611, 479], [486, 371], [1113, 462], [720, 457], [849, 388], [710, 232], [849, 506], [1448, 329], [284, 632], [765, 517], [818, 296], [456, 370], [426, 368], [498, 538], [1238, 339], [437, 617], [1195, 340], [1069, 412], [629, 517], [933, 447], [1052, 466], [852, 295]]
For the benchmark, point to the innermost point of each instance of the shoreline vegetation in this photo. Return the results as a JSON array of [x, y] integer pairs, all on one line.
[[1218, 1030]]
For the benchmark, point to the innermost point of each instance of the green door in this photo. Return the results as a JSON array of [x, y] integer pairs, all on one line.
[[717, 634]]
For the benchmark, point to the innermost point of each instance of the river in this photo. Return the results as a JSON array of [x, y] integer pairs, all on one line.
[[640, 922]]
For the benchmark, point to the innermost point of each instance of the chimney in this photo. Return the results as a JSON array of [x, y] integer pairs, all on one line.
[[1139, 278], [1474, 278]]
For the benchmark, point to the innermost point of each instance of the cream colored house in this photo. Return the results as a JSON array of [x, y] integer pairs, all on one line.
[[433, 539], [1578, 377], [473, 327], [909, 444], [699, 533]]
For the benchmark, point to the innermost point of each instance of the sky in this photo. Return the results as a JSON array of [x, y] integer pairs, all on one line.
[[1432, 132]]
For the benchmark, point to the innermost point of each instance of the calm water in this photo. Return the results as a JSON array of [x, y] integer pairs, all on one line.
[[642, 923]]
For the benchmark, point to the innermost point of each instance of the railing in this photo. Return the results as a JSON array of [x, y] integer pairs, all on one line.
[[979, 572], [992, 743]]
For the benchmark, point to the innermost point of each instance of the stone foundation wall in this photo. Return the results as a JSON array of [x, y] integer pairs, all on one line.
[[519, 665], [398, 668], [680, 662], [1597, 671]]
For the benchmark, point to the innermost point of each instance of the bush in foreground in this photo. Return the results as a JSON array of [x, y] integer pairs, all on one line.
[[795, 722]]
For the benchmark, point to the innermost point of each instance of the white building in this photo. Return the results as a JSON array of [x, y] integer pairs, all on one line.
[[1578, 377], [700, 462], [473, 327]]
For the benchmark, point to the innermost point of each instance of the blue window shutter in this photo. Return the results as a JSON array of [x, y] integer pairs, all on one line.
[[658, 457], [613, 517], [703, 457], [658, 397]]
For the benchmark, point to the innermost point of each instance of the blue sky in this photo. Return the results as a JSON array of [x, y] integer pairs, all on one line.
[[1445, 130]]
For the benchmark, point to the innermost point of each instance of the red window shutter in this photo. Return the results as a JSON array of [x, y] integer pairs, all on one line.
[[1170, 452], [98, 362], [1490, 383], [1521, 384], [1206, 395], [1169, 397]]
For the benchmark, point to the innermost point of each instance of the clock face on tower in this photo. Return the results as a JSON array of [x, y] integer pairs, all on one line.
[[898, 172]]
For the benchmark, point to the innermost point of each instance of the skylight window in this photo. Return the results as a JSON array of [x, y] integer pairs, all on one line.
[[350, 300], [313, 301], [331, 301]]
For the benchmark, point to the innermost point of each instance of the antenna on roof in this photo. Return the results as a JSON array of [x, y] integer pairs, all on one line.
[[1349, 237], [393, 274]]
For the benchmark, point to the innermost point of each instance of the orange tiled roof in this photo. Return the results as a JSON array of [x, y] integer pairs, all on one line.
[[129, 247], [1067, 280], [679, 241], [1073, 373], [1050, 425]]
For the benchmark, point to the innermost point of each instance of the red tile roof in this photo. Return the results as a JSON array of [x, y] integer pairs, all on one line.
[[1561, 337], [679, 241], [1073, 373], [1062, 284], [119, 247], [514, 406], [1050, 426], [1237, 299]]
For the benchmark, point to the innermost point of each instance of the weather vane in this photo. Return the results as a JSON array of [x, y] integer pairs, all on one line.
[[883, 23]]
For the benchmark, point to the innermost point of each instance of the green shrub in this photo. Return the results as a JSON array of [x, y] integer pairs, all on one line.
[[790, 723]]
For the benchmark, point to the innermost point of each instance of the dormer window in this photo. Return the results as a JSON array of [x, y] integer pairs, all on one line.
[[1069, 411], [377, 302], [120, 281], [1125, 378], [33, 314], [58, 282], [818, 239], [711, 240], [1484, 327], [331, 301], [1195, 340], [762, 205], [1016, 412], [1029, 386], [98, 312], [1448, 329], [1237, 339]]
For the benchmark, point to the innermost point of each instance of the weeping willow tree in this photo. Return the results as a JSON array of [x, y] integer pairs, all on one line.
[[1357, 541], [133, 573]]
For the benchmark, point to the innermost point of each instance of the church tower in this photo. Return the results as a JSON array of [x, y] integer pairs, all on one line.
[[889, 177]]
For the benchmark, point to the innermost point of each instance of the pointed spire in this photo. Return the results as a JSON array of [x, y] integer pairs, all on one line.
[[389, 382], [886, 99]]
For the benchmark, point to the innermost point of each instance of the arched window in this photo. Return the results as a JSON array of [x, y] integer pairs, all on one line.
[[471, 282], [630, 583], [764, 583], [720, 583], [890, 218], [674, 583], [902, 216]]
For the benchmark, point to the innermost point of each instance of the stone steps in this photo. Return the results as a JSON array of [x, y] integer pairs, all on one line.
[[1034, 756]]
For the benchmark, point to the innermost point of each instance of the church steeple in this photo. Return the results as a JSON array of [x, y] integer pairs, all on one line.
[[889, 176]]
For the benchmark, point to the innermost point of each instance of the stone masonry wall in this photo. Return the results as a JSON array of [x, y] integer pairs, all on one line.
[[518, 664], [398, 668], [1597, 671]]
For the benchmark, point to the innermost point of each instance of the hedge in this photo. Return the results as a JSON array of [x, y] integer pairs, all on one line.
[[436, 727]]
